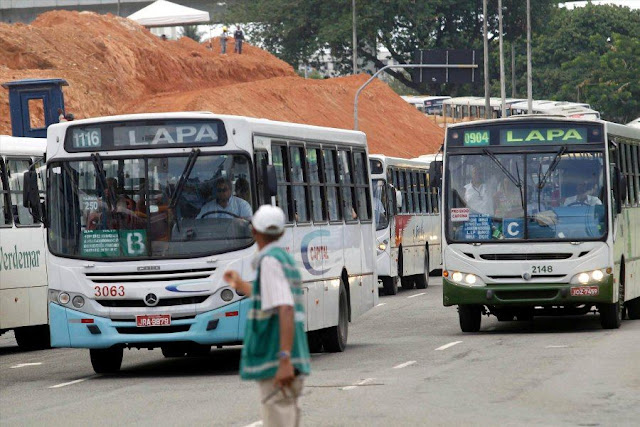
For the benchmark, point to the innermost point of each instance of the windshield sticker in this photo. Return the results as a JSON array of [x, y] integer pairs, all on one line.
[[113, 243], [478, 227], [459, 214], [513, 228]]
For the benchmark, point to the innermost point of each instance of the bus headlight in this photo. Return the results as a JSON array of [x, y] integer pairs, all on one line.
[[63, 298], [77, 301], [467, 279], [597, 275], [226, 295], [583, 278], [382, 246], [589, 277], [457, 276], [470, 279]]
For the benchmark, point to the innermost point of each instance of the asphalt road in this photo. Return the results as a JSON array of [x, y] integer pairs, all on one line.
[[407, 363]]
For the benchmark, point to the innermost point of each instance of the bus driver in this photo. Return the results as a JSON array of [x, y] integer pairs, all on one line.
[[225, 202]]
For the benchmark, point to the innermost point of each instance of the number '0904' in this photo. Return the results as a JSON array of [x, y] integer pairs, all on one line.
[[108, 291]]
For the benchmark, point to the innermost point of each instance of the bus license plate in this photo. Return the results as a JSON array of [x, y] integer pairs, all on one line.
[[585, 291], [153, 320]]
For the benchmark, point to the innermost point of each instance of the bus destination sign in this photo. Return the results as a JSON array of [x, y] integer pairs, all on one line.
[[131, 135], [577, 135], [520, 134]]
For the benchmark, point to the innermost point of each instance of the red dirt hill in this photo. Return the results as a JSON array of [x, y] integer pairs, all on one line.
[[115, 66]]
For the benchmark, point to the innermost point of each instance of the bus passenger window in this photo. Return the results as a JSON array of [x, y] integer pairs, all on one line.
[[362, 186], [346, 184], [299, 188], [5, 212], [279, 158], [331, 179], [317, 195], [15, 172]]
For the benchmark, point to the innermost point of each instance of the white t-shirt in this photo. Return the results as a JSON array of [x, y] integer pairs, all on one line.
[[236, 206], [590, 201], [274, 286], [478, 199]]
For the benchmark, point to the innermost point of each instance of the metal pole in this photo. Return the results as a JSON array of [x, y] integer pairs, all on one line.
[[513, 69], [118, 11], [355, 39], [355, 100], [487, 103], [502, 86], [529, 67]]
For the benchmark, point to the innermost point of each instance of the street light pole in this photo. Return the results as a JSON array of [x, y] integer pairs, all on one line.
[[487, 102], [355, 38], [529, 67], [503, 91], [355, 101]]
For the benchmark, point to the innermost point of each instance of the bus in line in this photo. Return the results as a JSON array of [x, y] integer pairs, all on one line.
[[427, 104], [147, 211], [406, 211], [23, 273], [572, 110], [541, 216]]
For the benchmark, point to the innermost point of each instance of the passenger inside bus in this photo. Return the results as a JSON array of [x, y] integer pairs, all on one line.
[[582, 197], [476, 194]]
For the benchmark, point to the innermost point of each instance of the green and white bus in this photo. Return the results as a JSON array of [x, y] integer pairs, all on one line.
[[541, 215]]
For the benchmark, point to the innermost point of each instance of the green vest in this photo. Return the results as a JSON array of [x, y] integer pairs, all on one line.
[[262, 335]]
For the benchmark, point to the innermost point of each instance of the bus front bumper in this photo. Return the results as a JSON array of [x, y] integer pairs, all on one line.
[[72, 328], [524, 294]]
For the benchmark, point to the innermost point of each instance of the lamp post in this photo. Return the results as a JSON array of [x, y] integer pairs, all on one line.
[[355, 38], [355, 100]]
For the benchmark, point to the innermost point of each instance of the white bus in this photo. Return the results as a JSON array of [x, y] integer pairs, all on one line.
[[23, 273], [473, 107], [541, 216], [574, 110], [406, 209], [142, 226], [427, 104]]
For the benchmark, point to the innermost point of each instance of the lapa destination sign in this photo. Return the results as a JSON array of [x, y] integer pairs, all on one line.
[[577, 135], [146, 134]]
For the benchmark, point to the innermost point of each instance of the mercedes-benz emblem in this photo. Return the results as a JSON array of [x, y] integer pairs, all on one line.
[[151, 300]]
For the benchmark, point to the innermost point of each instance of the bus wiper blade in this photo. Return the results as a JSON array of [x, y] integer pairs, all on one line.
[[554, 164], [516, 182], [191, 161], [101, 175]]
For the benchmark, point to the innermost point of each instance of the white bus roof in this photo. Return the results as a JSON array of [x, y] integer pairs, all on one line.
[[478, 101], [634, 123], [398, 161], [418, 98], [13, 145]]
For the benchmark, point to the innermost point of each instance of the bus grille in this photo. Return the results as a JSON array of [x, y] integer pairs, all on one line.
[[527, 294], [150, 276], [535, 276], [525, 257], [164, 302], [154, 329]]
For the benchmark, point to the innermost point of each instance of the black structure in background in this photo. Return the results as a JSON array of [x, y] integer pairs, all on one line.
[[444, 58]]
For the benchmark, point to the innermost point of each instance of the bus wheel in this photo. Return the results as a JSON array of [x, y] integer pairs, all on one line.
[[33, 337], [390, 285], [334, 338], [315, 341], [470, 317], [407, 282], [611, 314], [633, 308], [422, 280], [106, 360]]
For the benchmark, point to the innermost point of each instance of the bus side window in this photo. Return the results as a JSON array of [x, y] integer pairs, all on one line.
[[346, 185], [331, 179], [362, 185], [318, 202], [5, 211], [415, 192], [262, 160], [15, 171], [299, 188], [281, 164]]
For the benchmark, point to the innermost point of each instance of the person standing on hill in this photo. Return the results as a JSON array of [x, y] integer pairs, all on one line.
[[223, 40], [275, 351], [238, 36]]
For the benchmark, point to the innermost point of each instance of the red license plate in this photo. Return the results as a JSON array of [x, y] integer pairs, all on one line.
[[585, 291], [153, 320]]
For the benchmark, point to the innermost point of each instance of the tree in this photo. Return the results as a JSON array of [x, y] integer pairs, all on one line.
[[192, 32]]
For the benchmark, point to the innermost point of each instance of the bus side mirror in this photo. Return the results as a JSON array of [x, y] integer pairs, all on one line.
[[270, 181], [30, 193]]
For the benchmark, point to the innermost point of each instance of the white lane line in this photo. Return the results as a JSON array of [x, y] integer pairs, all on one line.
[[363, 382], [404, 365], [256, 424], [446, 346], [382, 303], [557, 346], [417, 295], [72, 382], [22, 365]]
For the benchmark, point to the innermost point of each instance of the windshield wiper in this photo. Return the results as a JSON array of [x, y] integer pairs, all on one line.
[[191, 161], [554, 164], [101, 175], [516, 181]]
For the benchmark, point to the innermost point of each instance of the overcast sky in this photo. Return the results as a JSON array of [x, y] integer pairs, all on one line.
[[633, 4]]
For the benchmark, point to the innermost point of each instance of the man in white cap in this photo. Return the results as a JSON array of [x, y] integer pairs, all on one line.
[[275, 350]]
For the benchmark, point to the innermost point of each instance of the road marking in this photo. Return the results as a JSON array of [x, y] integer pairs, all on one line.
[[363, 382], [417, 295], [446, 346], [72, 382], [404, 365], [256, 424], [382, 303], [557, 346], [22, 365]]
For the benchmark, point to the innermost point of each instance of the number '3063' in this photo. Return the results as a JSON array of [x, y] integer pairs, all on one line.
[[109, 291]]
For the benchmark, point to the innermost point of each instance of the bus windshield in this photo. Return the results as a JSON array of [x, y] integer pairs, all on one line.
[[189, 205], [554, 195], [380, 204]]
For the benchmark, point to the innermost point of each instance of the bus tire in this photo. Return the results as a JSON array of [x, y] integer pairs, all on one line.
[[314, 339], [407, 282], [611, 314], [106, 360], [633, 308], [169, 351], [422, 280], [390, 285], [470, 317], [334, 339], [33, 337]]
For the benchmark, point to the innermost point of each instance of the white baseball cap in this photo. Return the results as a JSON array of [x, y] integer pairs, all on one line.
[[268, 220]]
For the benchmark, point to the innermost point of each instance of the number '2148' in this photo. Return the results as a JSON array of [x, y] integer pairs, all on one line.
[[536, 269]]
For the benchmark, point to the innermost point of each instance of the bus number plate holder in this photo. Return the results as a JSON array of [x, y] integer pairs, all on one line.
[[147, 320], [584, 291]]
